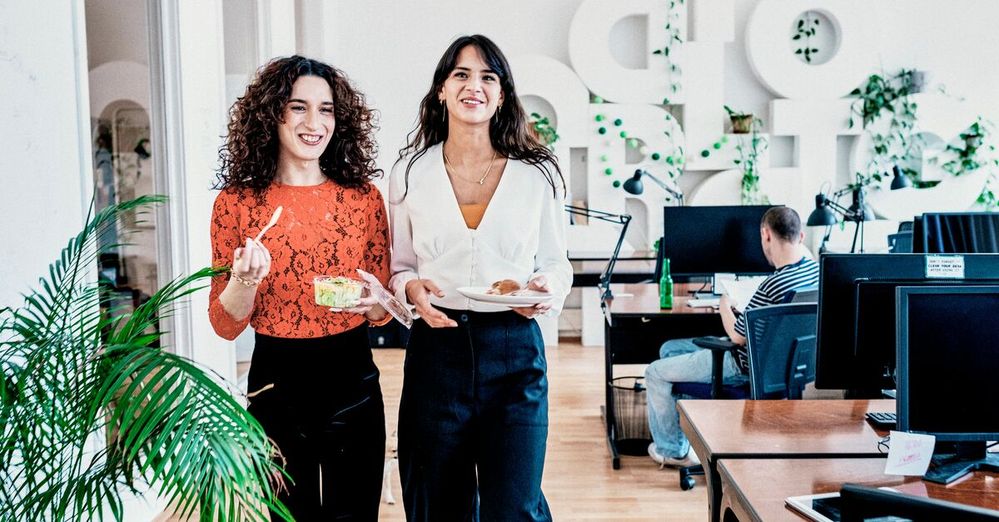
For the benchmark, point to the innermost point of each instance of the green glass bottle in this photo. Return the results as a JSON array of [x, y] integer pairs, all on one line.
[[666, 287]]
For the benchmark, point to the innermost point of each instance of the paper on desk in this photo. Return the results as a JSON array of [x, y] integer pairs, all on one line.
[[910, 453], [740, 291]]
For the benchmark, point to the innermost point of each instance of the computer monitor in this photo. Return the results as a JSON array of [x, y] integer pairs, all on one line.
[[706, 240], [856, 324], [956, 233], [948, 364]]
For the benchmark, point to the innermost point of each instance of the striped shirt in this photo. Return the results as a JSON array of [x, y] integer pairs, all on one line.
[[774, 290]]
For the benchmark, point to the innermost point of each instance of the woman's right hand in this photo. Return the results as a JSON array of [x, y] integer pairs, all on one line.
[[251, 262], [418, 292]]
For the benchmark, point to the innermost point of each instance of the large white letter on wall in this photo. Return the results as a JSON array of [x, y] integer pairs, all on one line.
[[589, 51], [557, 84], [816, 112], [774, 63]]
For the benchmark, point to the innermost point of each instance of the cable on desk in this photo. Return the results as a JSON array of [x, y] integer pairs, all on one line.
[[884, 444]]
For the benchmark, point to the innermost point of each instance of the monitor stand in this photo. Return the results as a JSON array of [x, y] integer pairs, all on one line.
[[707, 289], [952, 461]]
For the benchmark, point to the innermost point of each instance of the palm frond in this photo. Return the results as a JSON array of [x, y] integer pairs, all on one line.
[[75, 369]]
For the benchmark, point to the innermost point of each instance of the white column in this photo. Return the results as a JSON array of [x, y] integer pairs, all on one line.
[[275, 29], [187, 66], [315, 22], [46, 164]]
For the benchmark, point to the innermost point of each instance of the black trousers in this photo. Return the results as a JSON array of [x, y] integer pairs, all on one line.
[[326, 416], [473, 420]]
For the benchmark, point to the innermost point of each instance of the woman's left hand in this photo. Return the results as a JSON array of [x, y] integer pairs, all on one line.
[[368, 306], [539, 284]]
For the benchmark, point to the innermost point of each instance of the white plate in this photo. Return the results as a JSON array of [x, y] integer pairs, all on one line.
[[478, 293]]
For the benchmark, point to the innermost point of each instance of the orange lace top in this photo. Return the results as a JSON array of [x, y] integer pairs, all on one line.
[[323, 230]]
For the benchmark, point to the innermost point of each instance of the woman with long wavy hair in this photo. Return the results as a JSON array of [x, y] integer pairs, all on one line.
[[475, 199], [301, 138]]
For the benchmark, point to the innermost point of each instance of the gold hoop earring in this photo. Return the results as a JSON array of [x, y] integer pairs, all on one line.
[[496, 115], [443, 113]]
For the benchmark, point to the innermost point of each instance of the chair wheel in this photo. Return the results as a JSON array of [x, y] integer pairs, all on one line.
[[687, 483]]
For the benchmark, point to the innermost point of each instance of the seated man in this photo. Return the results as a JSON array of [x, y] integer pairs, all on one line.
[[682, 361]]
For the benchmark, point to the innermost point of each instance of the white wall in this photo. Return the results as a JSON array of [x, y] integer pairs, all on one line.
[[378, 44], [116, 31], [46, 167], [390, 48]]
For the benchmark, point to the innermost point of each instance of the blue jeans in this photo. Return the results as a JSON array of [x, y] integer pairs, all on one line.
[[473, 420], [680, 361]]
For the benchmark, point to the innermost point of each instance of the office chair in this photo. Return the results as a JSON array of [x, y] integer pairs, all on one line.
[[900, 243], [859, 503], [780, 341], [803, 295]]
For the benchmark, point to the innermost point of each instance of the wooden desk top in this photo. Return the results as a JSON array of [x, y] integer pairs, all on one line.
[[644, 300], [772, 429], [755, 490]]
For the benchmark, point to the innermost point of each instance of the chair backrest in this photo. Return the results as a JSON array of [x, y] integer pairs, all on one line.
[[802, 295], [780, 340], [859, 503], [900, 243]]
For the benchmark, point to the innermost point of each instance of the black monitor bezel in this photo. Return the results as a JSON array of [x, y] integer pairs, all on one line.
[[903, 403], [839, 371], [680, 274]]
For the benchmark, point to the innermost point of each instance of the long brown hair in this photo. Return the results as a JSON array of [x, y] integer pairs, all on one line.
[[248, 159], [507, 129]]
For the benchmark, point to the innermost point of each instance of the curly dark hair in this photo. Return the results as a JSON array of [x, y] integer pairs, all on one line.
[[508, 130], [248, 159]]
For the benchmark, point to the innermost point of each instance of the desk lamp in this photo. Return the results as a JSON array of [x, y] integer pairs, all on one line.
[[826, 210], [621, 219], [899, 180], [634, 185]]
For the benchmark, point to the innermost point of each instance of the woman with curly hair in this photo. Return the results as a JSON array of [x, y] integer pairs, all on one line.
[[475, 199], [300, 138]]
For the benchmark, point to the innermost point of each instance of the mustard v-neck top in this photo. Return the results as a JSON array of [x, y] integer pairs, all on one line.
[[473, 213]]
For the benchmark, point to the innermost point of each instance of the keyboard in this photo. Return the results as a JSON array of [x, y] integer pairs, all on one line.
[[703, 302], [882, 419]]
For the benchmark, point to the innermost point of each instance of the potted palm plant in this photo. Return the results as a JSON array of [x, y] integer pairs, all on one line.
[[92, 409]]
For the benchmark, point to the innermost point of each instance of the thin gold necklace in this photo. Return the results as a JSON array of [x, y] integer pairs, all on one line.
[[485, 174]]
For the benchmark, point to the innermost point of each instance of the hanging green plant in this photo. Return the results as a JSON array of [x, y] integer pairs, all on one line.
[[975, 152], [667, 51], [749, 150], [804, 31], [969, 156], [543, 130], [887, 112]]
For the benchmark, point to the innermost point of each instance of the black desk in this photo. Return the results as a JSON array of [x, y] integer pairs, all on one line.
[[634, 329]]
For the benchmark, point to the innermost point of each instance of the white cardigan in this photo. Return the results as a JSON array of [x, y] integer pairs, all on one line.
[[522, 233]]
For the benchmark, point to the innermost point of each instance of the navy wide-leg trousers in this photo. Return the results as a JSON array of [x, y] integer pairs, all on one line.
[[473, 420]]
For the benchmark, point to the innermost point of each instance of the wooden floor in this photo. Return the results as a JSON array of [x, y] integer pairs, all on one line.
[[579, 481]]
